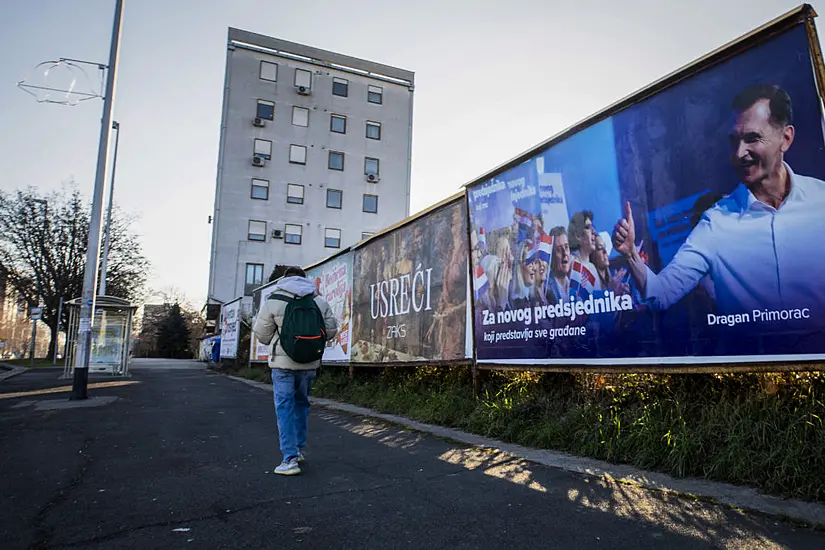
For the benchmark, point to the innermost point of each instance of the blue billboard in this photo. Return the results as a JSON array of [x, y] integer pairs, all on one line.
[[684, 228]]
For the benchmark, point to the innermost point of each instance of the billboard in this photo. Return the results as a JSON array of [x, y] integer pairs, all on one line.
[[258, 352], [333, 282], [230, 328], [683, 228], [410, 292]]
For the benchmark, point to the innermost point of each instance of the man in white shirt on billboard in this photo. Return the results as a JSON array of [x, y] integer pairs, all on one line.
[[762, 243]]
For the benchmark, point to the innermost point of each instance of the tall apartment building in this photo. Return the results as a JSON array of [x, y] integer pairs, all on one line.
[[315, 154]]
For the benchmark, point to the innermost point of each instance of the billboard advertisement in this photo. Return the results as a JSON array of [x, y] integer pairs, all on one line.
[[410, 291], [258, 352], [333, 282], [681, 229], [230, 329]]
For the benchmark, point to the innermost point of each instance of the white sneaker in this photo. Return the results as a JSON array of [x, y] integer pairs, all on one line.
[[288, 468]]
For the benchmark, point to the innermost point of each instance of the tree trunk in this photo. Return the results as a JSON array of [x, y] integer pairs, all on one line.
[[54, 340]]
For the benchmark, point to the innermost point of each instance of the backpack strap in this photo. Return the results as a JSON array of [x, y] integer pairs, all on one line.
[[281, 297]]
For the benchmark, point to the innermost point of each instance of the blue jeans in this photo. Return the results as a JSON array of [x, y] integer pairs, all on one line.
[[291, 389]]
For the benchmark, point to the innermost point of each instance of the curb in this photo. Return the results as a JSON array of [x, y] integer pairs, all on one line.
[[733, 496], [13, 370]]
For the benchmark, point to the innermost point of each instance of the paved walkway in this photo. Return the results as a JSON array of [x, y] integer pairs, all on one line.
[[181, 457]]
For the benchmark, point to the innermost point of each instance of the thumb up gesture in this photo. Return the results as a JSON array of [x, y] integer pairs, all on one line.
[[624, 233]]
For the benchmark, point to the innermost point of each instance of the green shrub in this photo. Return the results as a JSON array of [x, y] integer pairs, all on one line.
[[762, 430]]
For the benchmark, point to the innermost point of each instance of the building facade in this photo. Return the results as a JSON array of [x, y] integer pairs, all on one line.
[[314, 155]]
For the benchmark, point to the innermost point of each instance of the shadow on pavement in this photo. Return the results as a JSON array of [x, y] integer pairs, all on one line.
[[185, 457]]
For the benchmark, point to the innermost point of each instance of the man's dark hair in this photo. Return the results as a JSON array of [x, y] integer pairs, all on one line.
[[557, 231], [778, 100], [576, 227], [295, 271]]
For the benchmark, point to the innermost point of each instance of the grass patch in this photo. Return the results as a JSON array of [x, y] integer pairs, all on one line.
[[760, 430], [28, 362], [259, 372]]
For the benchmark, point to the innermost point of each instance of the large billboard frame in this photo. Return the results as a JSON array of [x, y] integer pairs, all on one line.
[[321, 263], [801, 15], [467, 360], [236, 304]]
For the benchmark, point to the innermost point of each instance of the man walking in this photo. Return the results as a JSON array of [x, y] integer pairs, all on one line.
[[301, 324]]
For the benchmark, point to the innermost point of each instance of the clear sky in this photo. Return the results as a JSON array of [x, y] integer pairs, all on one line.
[[493, 78]]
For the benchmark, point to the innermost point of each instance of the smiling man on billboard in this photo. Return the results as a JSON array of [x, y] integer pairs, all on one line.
[[761, 244]]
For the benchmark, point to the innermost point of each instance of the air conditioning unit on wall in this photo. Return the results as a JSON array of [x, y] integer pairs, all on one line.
[[259, 122], [303, 90], [277, 234], [373, 178], [258, 161]]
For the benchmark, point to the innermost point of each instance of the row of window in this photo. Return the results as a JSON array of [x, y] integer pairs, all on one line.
[[300, 117], [303, 79], [295, 195], [293, 233], [262, 148]]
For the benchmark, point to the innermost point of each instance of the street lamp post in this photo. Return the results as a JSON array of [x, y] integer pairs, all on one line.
[[86, 319], [107, 238]]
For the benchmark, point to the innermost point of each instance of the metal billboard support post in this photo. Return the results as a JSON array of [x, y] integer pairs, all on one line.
[[84, 341], [107, 238]]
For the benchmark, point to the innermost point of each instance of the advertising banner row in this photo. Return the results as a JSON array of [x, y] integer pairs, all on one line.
[[681, 229], [400, 297]]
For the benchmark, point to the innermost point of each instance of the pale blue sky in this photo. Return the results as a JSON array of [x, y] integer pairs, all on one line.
[[492, 79]]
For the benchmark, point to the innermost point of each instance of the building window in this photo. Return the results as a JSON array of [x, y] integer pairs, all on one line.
[[338, 124], [260, 189], [365, 235], [257, 231], [294, 193], [373, 130], [370, 166], [336, 160], [375, 94], [303, 78], [300, 116], [332, 238], [297, 154], [254, 278], [371, 204], [263, 149], [268, 71], [266, 109], [334, 198], [293, 233], [340, 87]]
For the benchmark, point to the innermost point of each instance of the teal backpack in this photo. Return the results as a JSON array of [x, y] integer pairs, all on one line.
[[302, 335]]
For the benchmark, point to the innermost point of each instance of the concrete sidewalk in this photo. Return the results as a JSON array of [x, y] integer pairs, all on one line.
[[182, 457]]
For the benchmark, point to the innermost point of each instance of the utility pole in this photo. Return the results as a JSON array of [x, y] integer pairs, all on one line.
[[34, 337], [80, 382], [106, 239], [36, 314]]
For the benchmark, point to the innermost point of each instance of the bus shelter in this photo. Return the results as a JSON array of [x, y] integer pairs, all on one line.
[[111, 341]]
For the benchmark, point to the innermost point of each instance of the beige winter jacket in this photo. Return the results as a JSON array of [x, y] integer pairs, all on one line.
[[271, 316]]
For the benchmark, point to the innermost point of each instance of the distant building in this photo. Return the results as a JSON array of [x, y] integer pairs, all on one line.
[[314, 155], [16, 328]]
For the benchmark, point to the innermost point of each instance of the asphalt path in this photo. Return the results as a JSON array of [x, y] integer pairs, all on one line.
[[178, 456]]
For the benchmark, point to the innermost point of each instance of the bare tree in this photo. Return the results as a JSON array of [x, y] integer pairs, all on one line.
[[43, 240]]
